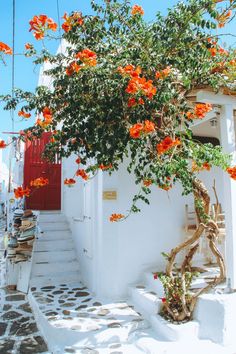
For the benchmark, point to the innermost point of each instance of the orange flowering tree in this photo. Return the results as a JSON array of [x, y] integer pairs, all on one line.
[[4, 49], [120, 89], [36, 183]]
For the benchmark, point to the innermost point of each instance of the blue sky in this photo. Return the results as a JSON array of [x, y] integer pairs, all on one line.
[[26, 74]]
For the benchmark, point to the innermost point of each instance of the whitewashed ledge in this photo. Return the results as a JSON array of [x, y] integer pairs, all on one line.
[[175, 332], [216, 314], [214, 319]]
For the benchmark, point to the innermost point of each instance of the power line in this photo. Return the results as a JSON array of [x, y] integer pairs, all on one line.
[[13, 61], [58, 18], [12, 92]]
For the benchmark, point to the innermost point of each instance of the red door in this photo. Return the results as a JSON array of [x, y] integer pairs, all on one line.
[[48, 197]]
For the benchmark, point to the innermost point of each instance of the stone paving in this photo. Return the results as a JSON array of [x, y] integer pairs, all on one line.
[[18, 329], [80, 323], [100, 327], [19, 333]]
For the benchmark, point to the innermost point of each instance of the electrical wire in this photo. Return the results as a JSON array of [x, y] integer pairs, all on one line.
[[12, 92], [58, 17], [13, 61], [59, 25]]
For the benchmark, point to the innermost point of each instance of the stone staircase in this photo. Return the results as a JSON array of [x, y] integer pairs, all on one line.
[[54, 258], [146, 297], [147, 300]]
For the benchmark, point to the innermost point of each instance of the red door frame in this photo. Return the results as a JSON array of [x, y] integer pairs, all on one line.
[[48, 197]]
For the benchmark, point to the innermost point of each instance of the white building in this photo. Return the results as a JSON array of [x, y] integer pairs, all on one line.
[[4, 180], [114, 255]]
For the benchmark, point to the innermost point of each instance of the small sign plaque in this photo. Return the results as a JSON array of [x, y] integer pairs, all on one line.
[[109, 195]]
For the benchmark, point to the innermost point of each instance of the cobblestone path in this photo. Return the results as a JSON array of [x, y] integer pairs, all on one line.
[[99, 327], [18, 330]]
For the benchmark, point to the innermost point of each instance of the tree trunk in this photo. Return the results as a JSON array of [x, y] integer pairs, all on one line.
[[205, 223]]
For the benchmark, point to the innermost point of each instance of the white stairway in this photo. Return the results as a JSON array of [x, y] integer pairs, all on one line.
[[147, 299], [54, 258], [147, 296]]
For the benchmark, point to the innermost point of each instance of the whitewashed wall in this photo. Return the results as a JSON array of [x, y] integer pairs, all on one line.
[[80, 204], [4, 176], [132, 246], [114, 255]]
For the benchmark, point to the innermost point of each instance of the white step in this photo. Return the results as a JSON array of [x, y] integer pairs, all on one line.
[[55, 278], [54, 267], [198, 283], [55, 217], [53, 226], [55, 245], [187, 332], [53, 256], [54, 235], [146, 301], [154, 284]]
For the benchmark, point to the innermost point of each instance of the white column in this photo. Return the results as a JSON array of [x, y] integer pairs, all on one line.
[[229, 146]]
